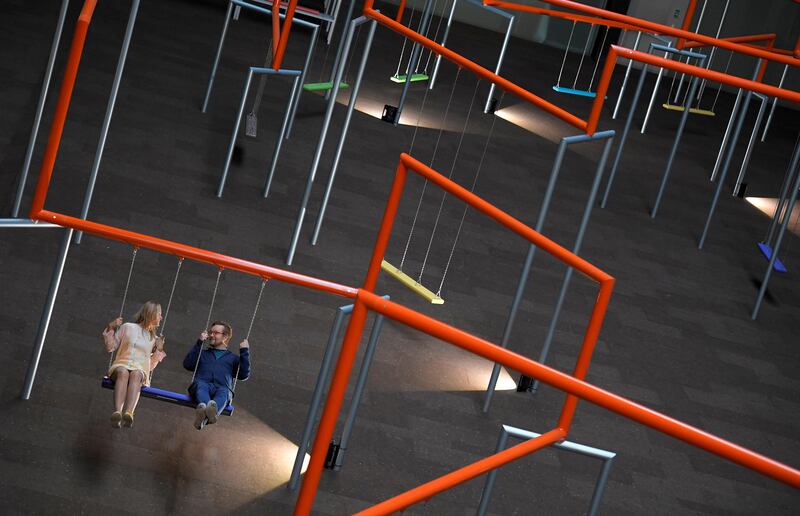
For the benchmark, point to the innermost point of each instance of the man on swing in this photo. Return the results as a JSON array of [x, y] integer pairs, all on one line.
[[214, 371]]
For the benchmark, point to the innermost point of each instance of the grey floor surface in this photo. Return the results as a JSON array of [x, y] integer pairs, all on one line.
[[677, 338]]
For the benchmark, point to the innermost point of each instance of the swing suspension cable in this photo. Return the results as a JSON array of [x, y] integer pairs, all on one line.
[[419, 117], [471, 189], [128, 282], [433, 157], [436, 34], [566, 52], [350, 61], [719, 86], [419, 31], [583, 55], [405, 42], [427, 32], [599, 57], [449, 176], [249, 329], [208, 321], [171, 293]]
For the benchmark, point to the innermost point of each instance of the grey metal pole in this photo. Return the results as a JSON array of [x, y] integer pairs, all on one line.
[[281, 136], [784, 224], [576, 249], [506, 39], [526, 268], [25, 223], [37, 119], [438, 60], [345, 129], [306, 64], [112, 99], [625, 79], [216, 58], [774, 104], [335, 15], [562, 147], [731, 150], [600, 487], [678, 133], [316, 398], [624, 136], [413, 61], [320, 145], [47, 312], [652, 98], [340, 53], [780, 207], [235, 134], [491, 477], [753, 135], [358, 392], [713, 49], [726, 136]]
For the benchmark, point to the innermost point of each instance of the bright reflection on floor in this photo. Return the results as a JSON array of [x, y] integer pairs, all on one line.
[[436, 366], [431, 118], [768, 205]]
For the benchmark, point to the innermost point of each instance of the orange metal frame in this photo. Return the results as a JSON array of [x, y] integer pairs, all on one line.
[[365, 300]]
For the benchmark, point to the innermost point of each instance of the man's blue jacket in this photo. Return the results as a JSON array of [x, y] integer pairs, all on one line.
[[217, 371]]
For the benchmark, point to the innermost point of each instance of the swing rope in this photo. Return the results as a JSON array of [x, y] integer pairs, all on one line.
[[449, 176], [583, 55], [719, 86], [566, 51], [433, 157], [262, 81], [124, 297], [471, 189], [166, 312], [436, 34], [249, 329], [208, 321], [599, 57], [405, 41], [433, 11]]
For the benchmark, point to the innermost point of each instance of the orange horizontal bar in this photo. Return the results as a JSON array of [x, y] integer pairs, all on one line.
[[475, 68], [459, 476], [195, 253], [586, 391], [617, 51], [648, 26], [735, 39], [505, 219]]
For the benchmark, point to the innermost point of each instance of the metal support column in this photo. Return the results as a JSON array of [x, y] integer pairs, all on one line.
[[438, 60], [112, 99], [749, 152], [47, 312], [774, 103], [37, 119], [413, 61], [625, 79], [217, 57], [543, 210], [726, 136]]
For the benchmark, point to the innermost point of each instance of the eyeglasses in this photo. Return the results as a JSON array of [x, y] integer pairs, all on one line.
[[217, 333]]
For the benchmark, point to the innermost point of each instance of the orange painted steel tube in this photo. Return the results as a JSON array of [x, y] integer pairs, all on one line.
[[587, 349], [586, 391], [400, 8], [280, 48], [506, 220], [735, 39], [617, 51], [459, 476], [649, 27], [276, 29], [197, 254], [62, 104], [687, 21], [475, 68]]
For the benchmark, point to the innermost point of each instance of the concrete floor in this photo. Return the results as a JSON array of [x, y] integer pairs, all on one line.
[[677, 338]]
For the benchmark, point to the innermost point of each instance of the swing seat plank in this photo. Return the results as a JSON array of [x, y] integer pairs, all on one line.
[[415, 77], [409, 282], [697, 111], [168, 396], [323, 86], [766, 250], [572, 91]]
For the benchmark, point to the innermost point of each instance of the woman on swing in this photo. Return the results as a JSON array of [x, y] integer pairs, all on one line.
[[139, 350]]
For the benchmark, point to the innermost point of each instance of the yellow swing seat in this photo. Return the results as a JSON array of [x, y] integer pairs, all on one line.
[[697, 111], [411, 283]]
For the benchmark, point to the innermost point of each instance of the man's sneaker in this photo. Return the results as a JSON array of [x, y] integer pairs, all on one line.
[[211, 412], [116, 419], [200, 416], [127, 419]]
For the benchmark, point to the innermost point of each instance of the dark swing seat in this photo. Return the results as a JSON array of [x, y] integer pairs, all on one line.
[[168, 396]]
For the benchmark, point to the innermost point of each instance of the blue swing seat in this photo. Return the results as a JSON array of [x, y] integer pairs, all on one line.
[[169, 396], [766, 250]]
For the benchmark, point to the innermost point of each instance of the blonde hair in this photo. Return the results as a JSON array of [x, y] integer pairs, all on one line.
[[147, 317]]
